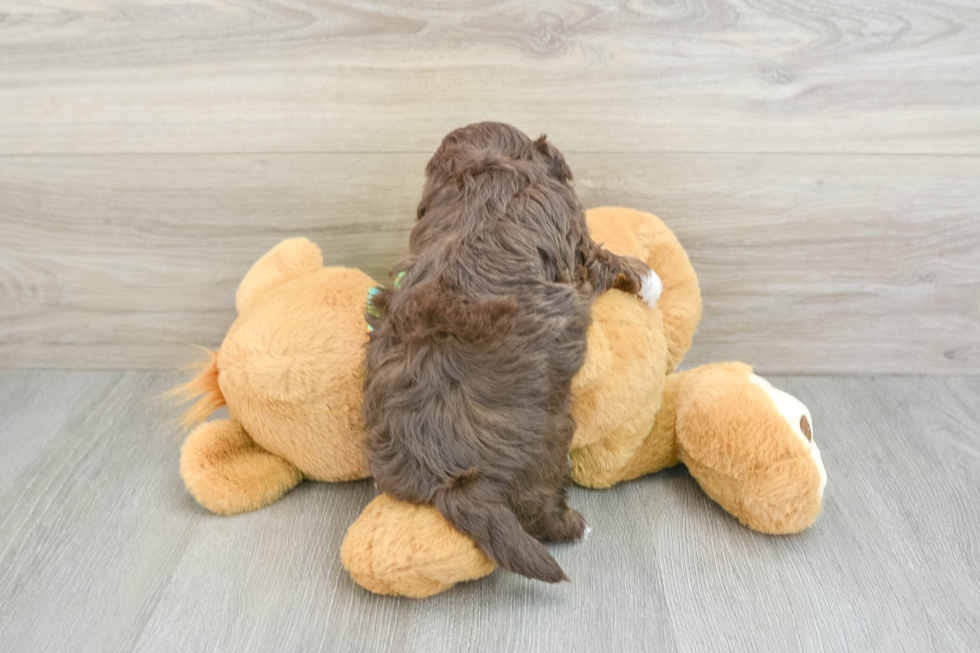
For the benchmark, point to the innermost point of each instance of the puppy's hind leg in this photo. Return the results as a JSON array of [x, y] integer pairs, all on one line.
[[557, 522]]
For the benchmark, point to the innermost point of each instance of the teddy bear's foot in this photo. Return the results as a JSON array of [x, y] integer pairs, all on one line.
[[228, 473], [402, 549], [747, 445]]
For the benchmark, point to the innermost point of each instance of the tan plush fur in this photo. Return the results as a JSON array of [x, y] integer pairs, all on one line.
[[291, 367], [203, 389], [628, 231], [228, 473], [422, 553], [290, 370], [743, 454]]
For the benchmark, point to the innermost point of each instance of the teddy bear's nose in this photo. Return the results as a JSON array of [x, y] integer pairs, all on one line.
[[805, 427]]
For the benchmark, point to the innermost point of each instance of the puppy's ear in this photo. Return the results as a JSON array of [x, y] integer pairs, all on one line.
[[556, 162]]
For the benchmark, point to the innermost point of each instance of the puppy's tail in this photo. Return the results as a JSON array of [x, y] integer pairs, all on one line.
[[496, 530]]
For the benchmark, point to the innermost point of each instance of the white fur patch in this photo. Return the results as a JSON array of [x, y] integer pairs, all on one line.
[[650, 289], [585, 535], [792, 409]]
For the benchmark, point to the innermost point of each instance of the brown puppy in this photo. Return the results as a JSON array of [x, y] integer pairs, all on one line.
[[470, 361]]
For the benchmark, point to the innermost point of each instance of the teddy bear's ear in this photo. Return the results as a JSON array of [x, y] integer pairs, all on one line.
[[286, 261]]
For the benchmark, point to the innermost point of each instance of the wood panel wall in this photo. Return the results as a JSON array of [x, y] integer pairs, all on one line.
[[819, 160]]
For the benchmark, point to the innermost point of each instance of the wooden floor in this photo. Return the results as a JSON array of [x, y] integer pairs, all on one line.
[[102, 550]]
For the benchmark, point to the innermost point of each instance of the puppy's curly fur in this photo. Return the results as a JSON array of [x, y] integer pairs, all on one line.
[[470, 360]]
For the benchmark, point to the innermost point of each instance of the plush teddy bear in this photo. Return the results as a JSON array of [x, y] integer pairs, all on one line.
[[290, 372]]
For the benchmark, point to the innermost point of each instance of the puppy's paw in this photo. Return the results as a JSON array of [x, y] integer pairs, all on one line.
[[568, 526], [632, 273], [650, 288], [575, 525]]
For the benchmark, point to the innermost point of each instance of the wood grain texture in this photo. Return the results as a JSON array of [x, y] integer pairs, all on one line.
[[818, 159], [101, 549], [807, 263], [83, 76]]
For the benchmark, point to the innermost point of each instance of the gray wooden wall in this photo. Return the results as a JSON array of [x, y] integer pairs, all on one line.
[[820, 160]]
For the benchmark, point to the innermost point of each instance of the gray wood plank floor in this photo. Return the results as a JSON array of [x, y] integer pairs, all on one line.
[[102, 550]]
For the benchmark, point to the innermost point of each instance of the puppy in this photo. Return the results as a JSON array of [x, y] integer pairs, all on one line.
[[471, 358]]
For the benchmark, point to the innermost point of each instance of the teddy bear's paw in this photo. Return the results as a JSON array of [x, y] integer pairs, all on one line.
[[797, 415], [401, 549], [651, 288], [228, 473]]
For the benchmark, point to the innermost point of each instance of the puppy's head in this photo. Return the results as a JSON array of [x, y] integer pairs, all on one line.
[[487, 147]]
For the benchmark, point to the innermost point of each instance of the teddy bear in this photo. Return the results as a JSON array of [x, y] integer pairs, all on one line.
[[290, 372]]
